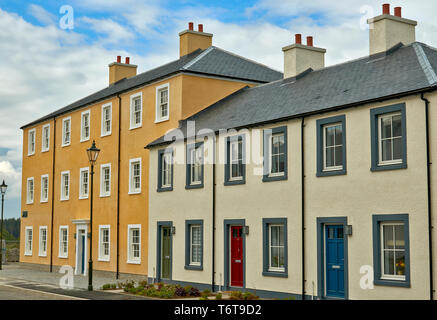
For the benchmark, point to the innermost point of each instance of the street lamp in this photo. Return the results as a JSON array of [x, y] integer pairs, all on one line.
[[3, 188], [93, 154]]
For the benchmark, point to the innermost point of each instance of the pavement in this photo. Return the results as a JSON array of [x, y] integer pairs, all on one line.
[[21, 282]]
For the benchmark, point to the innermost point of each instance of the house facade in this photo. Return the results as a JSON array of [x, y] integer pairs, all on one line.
[[119, 118], [315, 186]]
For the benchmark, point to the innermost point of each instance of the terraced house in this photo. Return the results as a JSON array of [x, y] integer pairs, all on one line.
[[120, 118], [318, 185]]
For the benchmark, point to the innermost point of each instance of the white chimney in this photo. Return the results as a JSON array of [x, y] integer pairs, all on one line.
[[387, 30], [299, 57]]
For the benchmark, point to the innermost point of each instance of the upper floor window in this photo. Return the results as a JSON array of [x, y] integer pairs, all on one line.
[[45, 138], [135, 176], [106, 119], [85, 126], [66, 131], [235, 167], [165, 170], [45, 188], [391, 252], [83, 183], [194, 172], [105, 180], [31, 142], [331, 146], [65, 185], [30, 190], [388, 134], [162, 102], [136, 111], [275, 154]]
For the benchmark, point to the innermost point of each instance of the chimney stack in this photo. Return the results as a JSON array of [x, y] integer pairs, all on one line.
[[388, 30], [299, 57], [190, 40], [118, 70]]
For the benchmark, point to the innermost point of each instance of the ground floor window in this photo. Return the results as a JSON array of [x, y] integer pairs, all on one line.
[[391, 249], [194, 244], [134, 244], [43, 241], [275, 246], [104, 244], [29, 241], [63, 242]]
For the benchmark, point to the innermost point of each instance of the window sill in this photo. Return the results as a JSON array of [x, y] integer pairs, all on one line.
[[194, 186], [30, 154], [275, 274], [43, 255], [105, 195], [83, 198], [269, 178], [29, 203], [329, 173], [234, 182], [44, 201], [65, 145], [134, 192], [133, 262], [164, 189], [103, 259], [136, 127], [66, 199], [63, 257], [85, 140], [28, 254], [392, 283], [162, 120], [388, 167], [105, 134], [191, 267], [43, 151]]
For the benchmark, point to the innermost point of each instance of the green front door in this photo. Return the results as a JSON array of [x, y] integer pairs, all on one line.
[[166, 253]]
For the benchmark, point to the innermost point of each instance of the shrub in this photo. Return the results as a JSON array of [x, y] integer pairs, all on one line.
[[236, 295], [167, 292], [160, 286], [218, 296], [194, 292], [143, 283], [187, 288], [204, 298], [180, 292], [206, 293], [129, 284], [250, 296], [106, 286]]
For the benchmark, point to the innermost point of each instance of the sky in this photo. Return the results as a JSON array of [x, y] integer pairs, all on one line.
[[53, 53]]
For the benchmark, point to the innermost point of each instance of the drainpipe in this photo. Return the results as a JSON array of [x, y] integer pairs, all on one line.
[[213, 213], [303, 203], [117, 275], [53, 195], [428, 173]]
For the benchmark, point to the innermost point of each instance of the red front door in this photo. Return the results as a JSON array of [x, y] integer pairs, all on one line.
[[237, 256]]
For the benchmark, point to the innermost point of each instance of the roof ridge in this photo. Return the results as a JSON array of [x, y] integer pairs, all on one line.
[[196, 59], [247, 59], [425, 64]]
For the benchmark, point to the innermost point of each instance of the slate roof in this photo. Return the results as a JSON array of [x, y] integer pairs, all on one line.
[[212, 61], [400, 70]]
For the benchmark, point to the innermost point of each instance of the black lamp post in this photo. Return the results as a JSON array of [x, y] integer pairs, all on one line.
[[93, 153], [3, 188]]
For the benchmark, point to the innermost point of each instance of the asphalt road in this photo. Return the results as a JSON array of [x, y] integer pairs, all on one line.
[[9, 292]]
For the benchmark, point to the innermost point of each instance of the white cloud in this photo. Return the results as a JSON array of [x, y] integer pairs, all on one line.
[[12, 177], [114, 32], [41, 14]]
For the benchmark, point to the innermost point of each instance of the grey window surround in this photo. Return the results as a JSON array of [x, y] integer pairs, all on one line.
[[376, 223], [160, 153], [228, 140], [266, 253], [374, 114], [188, 184], [188, 224], [320, 152], [267, 157]]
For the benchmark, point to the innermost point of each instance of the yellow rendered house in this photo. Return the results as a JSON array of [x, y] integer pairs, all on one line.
[[133, 110]]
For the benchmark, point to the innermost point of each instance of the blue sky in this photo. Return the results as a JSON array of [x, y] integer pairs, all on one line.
[[45, 67]]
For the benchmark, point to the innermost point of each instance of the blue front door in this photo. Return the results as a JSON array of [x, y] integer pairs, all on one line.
[[334, 267]]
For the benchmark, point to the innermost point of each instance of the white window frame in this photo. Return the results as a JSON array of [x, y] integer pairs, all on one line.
[[192, 226], [194, 165], [237, 142], [380, 117], [64, 143], [325, 167], [31, 144], [30, 200], [40, 252], [27, 250], [130, 258], [104, 132], [67, 196], [83, 195], [103, 192], [61, 253], [383, 275], [274, 269], [158, 117], [44, 138], [271, 136], [44, 199], [103, 257], [166, 170], [132, 190], [132, 114], [82, 125]]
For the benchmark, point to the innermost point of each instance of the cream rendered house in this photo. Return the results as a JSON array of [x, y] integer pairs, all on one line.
[[318, 185]]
